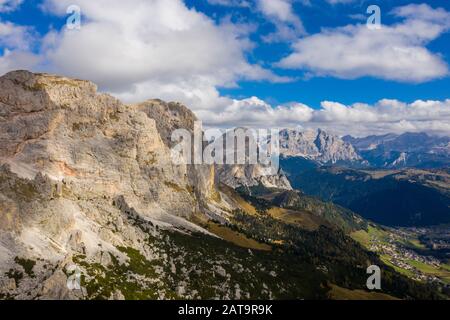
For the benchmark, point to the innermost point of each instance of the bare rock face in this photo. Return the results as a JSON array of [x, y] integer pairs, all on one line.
[[316, 145], [170, 117], [61, 128], [251, 176], [54, 288], [249, 173], [74, 165]]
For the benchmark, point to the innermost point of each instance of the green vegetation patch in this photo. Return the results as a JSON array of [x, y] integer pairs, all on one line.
[[27, 265], [16, 275], [362, 237], [343, 258], [102, 282]]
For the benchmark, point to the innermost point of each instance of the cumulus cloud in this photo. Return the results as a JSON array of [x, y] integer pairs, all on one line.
[[281, 13], [9, 5], [387, 116], [14, 36], [16, 42], [396, 52], [358, 119], [13, 60], [253, 112], [140, 49], [288, 26]]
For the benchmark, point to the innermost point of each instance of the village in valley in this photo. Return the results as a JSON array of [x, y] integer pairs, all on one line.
[[420, 253]]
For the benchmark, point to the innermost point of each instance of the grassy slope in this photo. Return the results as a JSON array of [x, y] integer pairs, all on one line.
[[236, 238], [364, 237], [377, 199], [442, 273], [342, 259], [303, 219], [293, 205], [339, 293]]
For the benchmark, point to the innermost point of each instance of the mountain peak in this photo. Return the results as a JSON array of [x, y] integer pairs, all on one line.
[[316, 145], [42, 81], [410, 149], [24, 91]]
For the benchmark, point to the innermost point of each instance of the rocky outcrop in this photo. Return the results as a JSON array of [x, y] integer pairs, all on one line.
[[251, 171], [316, 145], [93, 207], [168, 118], [89, 142], [251, 176], [78, 169]]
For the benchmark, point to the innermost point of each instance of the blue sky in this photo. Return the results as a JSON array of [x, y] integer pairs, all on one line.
[[250, 62], [313, 91]]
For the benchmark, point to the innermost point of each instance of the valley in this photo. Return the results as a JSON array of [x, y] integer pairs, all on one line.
[[413, 204], [215, 158], [89, 193], [406, 250], [408, 197]]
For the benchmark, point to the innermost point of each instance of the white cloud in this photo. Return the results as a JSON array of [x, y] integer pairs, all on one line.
[[16, 42], [141, 49], [423, 12], [176, 53], [281, 13], [254, 112], [278, 9], [9, 5], [13, 36], [395, 52], [13, 60], [357, 119], [288, 26], [385, 116]]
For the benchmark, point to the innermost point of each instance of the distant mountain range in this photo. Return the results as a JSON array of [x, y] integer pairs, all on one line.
[[88, 182], [395, 180], [414, 150], [418, 150], [409, 197], [317, 145]]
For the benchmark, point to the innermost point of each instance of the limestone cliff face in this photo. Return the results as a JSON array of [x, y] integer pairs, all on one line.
[[249, 173], [251, 176], [316, 145], [77, 168], [63, 129], [170, 117]]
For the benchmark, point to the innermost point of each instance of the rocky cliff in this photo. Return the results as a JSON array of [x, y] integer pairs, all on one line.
[[316, 145], [252, 170], [78, 169], [93, 207]]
